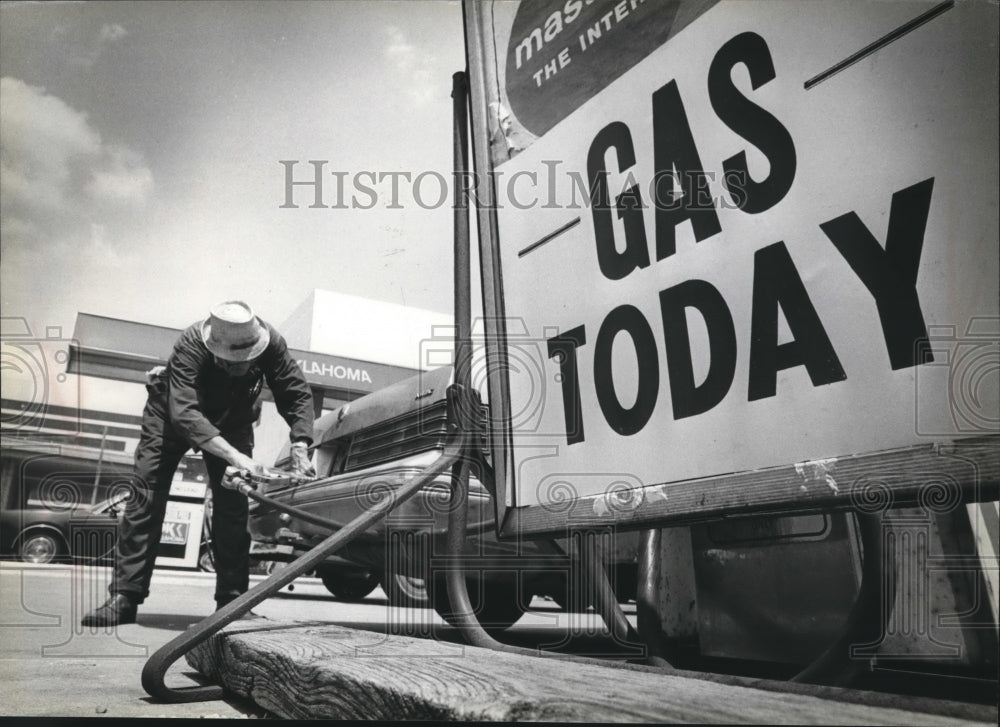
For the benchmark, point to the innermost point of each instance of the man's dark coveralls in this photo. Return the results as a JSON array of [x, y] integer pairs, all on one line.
[[188, 404]]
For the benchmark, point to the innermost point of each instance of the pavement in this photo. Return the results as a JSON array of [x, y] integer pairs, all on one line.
[[50, 666]]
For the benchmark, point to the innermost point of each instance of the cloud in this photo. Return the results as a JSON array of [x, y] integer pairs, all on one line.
[[87, 49], [123, 178], [29, 116], [111, 33], [415, 64], [57, 175]]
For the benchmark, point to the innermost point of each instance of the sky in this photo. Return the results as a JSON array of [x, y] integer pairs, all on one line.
[[141, 147]]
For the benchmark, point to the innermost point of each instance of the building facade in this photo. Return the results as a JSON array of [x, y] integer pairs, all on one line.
[[71, 406]]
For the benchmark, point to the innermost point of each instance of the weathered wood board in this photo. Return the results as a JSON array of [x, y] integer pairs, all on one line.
[[308, 671]]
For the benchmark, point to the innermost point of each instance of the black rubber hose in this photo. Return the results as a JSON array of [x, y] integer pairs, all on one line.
[[867, 619], [463, 615], [605, 601], [299, 513], [155, 670], [323, 522]]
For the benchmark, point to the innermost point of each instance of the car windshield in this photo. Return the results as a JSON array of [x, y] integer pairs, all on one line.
[[115, 502]]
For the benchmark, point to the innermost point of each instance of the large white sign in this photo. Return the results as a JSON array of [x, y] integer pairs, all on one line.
[[771, 240]]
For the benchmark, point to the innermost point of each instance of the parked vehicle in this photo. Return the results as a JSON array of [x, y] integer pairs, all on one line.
[[53, 534], [381, 441]]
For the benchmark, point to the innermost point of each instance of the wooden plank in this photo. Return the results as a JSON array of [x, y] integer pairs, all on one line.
[[327, 671], [933, 476]]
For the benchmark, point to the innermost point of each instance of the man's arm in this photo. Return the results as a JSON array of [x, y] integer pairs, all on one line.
[[185, 366], [294, 401], [292, 395], [224, 450]]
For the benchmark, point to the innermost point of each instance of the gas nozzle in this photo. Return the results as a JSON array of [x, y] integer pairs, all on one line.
[[238, 479], [245, 481]]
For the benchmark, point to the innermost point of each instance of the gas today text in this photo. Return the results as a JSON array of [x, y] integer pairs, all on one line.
[[886, 264]]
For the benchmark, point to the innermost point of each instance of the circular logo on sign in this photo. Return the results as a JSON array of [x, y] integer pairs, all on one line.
[[563, 52]]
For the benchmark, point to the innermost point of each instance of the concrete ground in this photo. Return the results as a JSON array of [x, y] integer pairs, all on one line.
[[51, 666]]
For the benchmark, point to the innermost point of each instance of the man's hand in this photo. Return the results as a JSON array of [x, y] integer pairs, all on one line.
[[247, 464], [154, 373], [301, 463], [224, 450]]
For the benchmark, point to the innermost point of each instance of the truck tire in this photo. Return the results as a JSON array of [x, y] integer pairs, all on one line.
[[348, 585]]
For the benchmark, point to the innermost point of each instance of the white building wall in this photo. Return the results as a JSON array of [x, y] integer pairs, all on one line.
[[369, 330]]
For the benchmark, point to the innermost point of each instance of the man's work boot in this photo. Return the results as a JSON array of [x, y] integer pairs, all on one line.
[[119, 609]]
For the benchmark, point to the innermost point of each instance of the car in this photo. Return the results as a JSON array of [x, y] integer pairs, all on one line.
[[377, 443], [49, 534]]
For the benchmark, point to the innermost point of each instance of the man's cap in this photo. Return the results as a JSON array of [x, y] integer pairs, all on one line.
[[232, 332]]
